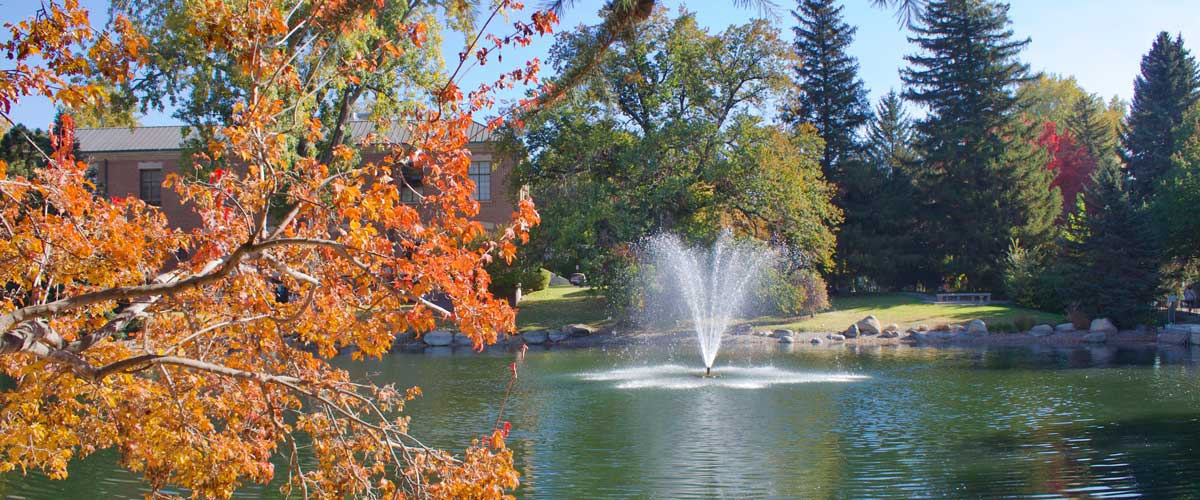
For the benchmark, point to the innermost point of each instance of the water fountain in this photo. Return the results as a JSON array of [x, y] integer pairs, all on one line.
[[712, 282]]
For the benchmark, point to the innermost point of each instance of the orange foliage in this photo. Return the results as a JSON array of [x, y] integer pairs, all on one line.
[[195, 374]]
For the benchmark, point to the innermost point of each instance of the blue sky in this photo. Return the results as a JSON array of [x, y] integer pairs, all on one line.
[[1100, 42]]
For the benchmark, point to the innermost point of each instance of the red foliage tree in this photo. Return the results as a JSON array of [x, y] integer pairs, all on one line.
[[1070, 161]]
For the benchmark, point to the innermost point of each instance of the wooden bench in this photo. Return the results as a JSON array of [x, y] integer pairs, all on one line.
[[964, 298]]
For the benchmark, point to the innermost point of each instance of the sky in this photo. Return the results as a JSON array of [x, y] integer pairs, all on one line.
[[1099, 42]]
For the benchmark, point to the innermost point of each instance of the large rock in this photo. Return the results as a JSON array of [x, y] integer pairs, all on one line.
[[1103, 325], [1065, 327], [977, 327], [1041, 331], [815, 341], [851, 332], [869, 326], [1095, 338], [535, 337], [781, 333], [889, 334], [786, 339], [556, 336], [438, 338], [578, 330], [891, 328], [462, 339]]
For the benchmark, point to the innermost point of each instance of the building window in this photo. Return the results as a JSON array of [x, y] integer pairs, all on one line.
[[408, 193], [481, 174], [151, 180]]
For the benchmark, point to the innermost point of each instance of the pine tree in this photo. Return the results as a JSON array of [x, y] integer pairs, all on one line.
[[1110, 259], [832, 96], [981, 177], [890, 134], [1168, 85], [1087, 125]]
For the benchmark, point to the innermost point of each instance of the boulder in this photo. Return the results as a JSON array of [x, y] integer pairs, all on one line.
[[977, 327], [557, 336], [1041, 331], [869, 326], [782, 333], [1065, 327], [815, 341], [578, 330], [462, 339], [1095, 338], [891, 328], [851, 332], [837, 338], [889, 334], [1103, 325], [786, 339], [438, 338], [535, 337], [742, 329]]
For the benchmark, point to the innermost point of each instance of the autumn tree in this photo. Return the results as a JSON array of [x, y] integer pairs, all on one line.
[[170, 348], [1071, 163]]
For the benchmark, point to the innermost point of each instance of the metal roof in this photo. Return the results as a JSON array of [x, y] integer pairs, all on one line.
[[170, 137]]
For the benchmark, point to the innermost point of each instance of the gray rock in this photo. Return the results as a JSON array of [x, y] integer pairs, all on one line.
[[786, 339], [891, 328], [977, 327], [557, 336], [782, 333], [462, 339], [815, 341], [837, 338], [578, 330], [922, 328], [869, 326], [438, 338], [1103, 325], [851, 332], [1095, 338], [1042, 331], [889, 334], [1064, 327], [535, 337]]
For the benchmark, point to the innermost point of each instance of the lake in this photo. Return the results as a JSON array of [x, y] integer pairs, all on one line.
[[797, 422]]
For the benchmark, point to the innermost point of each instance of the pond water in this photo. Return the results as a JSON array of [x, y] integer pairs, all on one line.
[[840, 422]]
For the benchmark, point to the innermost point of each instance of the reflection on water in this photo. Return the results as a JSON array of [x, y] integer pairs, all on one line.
[[801, 422]]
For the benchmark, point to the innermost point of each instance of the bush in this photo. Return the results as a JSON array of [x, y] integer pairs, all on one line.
[[1024, 323], [530, 277], [793, 294], [1029, 280], [1077, 316]]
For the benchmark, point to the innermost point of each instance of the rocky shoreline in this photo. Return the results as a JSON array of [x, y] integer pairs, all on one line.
[[867, 331]]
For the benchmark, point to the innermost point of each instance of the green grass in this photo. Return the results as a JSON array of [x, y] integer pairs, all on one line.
[[557, 306], [905, 310]]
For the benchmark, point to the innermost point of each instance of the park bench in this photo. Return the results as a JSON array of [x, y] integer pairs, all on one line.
[[964, 298]]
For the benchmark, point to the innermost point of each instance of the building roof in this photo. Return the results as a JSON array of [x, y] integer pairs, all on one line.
[[170, 137]]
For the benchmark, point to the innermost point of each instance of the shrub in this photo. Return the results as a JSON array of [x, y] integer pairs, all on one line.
[[1077, 316], [1030, 280], [792, 294], [1024, 323]]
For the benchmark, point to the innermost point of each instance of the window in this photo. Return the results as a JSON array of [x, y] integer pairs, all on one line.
[[481, 173], [408, 193], [151, 180]]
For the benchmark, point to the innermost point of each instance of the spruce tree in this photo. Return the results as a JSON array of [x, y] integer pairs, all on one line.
[[982, 181], [1110, 256], [832, 96], [1167, 86], [1087, 125], [890, 134]]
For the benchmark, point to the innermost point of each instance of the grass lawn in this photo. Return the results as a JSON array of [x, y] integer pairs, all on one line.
[[905, 310], [557, 306]]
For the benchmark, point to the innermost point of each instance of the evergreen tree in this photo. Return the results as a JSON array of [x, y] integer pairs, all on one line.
[[1087, 124], [832, 96], [1111, 261], [878, 239], [1168, 85], [983, 181]]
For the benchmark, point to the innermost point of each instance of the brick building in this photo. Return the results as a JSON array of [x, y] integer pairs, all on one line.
[[133, 162]]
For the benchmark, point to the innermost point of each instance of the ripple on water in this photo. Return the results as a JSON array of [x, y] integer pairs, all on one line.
[[676, 377]]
